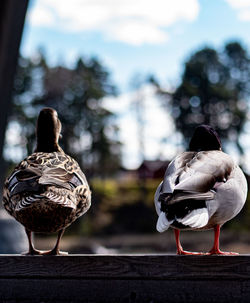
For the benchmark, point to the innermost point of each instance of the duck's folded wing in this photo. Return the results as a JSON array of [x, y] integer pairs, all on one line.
[[184, 175], [173, 171], [181, 195], [178, 196], [36, 172], [58, 176], [200, 173], [23, 180]]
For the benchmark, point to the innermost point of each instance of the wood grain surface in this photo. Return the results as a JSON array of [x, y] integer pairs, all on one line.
[[124, 278]]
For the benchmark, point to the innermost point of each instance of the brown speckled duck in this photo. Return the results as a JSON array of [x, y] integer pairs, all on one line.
[[202, 189], [47, 191]]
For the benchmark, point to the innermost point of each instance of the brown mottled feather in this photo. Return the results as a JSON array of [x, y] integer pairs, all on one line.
[[47, 192]]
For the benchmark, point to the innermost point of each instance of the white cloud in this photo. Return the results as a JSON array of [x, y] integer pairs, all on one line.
[[242, 8], [129, 21], [41, 16], [239, 3], [244, 15], [137, 33]]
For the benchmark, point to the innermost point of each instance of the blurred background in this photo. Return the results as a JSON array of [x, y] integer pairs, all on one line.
[[130, 81]]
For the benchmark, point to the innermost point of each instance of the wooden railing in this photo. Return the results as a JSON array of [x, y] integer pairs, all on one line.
[[124, 278]]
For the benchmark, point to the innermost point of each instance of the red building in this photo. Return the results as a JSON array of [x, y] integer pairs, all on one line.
[[152, 169]]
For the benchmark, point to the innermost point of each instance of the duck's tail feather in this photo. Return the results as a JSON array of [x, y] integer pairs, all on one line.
[[162, 223], [197, 218]]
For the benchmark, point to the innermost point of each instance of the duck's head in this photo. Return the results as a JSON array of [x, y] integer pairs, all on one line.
[[205, 138], [48, 131]]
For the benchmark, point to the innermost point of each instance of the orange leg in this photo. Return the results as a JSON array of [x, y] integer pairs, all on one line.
[[55, 251], [180, 250], [216, 247], [32, 251]]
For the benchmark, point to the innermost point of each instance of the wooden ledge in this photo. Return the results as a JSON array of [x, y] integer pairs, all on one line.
[[124, 278], [125, 266]]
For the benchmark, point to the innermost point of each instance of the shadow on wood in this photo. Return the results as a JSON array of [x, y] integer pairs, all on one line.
[[124, 278]]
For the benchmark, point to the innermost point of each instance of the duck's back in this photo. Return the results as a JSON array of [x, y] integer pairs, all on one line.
[[208, 182], [47, 192]]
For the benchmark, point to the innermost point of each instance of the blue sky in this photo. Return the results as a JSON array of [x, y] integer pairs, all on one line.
[[135, 36], [212, 23]]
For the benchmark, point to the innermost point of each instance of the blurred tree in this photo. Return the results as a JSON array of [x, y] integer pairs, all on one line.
[[89, 130], [213, 90]]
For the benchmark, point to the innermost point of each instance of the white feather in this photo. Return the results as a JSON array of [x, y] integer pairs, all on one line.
[[197, 218], [156, 199], [162, 223]]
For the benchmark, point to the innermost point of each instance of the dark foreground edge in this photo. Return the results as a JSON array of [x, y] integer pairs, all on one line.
[[124, 278]]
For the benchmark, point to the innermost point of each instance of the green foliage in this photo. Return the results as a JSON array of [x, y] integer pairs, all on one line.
[[89, 130], [119, 208], [214, 90]]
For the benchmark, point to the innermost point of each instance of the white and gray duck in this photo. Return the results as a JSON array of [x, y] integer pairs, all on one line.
[[202, 189], [47, 191]]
